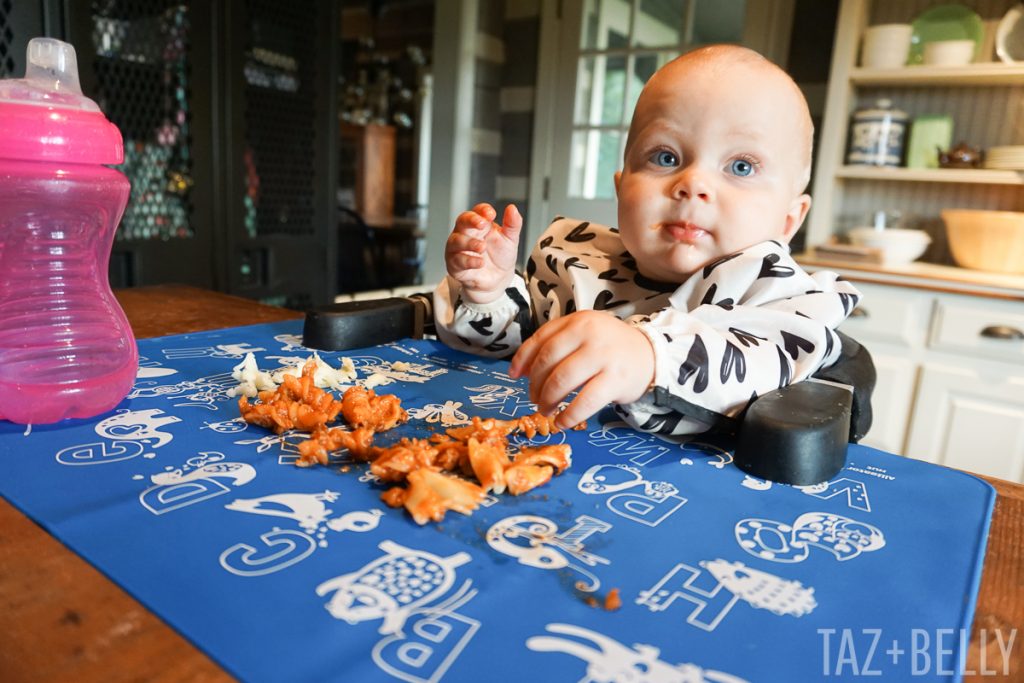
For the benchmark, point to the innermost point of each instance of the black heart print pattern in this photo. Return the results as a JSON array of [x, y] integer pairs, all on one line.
[[770, 267], [711, 266], [574, 262], [604, 301], [849, 302], [482, 326], [610, 276], [579, 233], [696, 366], [662, 424], [746, 338], [545, 287], [733, 362], [785, 374], [794, 344], [709, 298], [496, 345], [552, 262]]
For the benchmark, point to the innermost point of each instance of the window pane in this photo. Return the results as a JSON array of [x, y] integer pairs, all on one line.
[[596, 156], [719, 21], [600, 91], [660, 23], [644, 66], [605, 24]]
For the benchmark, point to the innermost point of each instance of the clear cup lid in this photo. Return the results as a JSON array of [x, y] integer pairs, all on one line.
[[51, 78]]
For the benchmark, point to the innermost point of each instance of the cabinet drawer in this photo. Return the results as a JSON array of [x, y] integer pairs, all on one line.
[[895, 315], [982, 328]]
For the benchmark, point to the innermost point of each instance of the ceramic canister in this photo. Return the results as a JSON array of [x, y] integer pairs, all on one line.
[[877, 135]]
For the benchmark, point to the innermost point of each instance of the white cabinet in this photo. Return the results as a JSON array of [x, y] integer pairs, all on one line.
[[893, 398], [950, 371], [969, 414], [984, 99]]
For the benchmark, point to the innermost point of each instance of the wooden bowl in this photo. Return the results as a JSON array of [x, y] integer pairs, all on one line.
[[986, 240]]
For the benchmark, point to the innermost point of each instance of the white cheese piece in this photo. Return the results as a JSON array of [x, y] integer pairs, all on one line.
[[375, 380], [251, 380], [324, 376]]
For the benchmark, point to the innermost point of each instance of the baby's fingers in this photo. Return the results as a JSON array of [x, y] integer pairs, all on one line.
[[522, 361], [464, 261], [485, 211], [470, 222], [459, 242], [594, 396]]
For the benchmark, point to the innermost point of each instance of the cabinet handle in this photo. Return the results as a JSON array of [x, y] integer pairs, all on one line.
[[1002, 332], [860, 312]]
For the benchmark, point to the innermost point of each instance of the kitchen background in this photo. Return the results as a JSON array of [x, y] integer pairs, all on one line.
[[297, 153]]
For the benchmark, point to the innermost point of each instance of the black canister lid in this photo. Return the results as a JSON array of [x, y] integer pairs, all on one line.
[[797, 434]]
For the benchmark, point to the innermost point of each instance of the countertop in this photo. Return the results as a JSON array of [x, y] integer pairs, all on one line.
[[921, 275], [62, 620]]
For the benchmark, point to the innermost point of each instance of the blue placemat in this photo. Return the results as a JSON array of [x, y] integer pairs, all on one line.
[[282, 573]]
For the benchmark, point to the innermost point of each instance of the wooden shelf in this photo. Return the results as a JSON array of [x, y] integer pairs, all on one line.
[[981, 176], [994, 73]]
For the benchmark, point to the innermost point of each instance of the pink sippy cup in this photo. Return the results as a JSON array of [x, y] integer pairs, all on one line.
[[66, 349]]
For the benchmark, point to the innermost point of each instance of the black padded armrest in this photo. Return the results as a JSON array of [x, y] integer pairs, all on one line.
[[358, 324], [856, 369]]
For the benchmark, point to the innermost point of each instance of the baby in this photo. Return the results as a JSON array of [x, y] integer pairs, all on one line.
[[692, 307]]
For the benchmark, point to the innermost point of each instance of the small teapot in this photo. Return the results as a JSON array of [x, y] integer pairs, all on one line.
[[961, 155]]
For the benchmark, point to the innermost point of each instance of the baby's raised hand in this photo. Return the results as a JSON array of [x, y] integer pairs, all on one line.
[[481, 254], [612, 360]]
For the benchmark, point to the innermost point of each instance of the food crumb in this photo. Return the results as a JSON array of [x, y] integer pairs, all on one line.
[[612, 601], [591, 601], [345, 469]]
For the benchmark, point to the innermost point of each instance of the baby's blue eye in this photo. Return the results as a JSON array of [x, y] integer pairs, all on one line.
[[664, 158], [741, 167]]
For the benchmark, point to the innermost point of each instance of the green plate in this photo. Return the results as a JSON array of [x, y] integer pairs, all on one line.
[[944, 22]]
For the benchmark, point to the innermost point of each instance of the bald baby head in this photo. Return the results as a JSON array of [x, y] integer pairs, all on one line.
[[755, 78]]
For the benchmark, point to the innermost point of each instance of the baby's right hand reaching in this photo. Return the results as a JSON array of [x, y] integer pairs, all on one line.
[[481, 254]]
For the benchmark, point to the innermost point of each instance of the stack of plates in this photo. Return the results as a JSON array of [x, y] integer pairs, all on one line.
[[1009, 158]]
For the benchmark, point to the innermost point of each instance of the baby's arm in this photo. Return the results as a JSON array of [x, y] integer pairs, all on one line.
[[745, 326], [482, 306]]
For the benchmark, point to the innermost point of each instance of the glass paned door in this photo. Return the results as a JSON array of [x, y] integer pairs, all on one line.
[[610, 48]]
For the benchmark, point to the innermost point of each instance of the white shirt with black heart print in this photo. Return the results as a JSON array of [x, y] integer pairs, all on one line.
[[747, 324]]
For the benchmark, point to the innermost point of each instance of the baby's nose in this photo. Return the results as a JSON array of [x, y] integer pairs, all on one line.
[[692, 183]]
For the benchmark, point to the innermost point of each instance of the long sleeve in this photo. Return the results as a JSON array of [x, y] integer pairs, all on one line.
[[745, 325], [495, 329], [576, 265]]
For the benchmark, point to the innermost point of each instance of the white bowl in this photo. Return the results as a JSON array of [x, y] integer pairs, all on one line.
[[949, 52], [898, 245], [886, 46]]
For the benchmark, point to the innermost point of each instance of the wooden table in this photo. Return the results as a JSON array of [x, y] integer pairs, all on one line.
[[61, 620]]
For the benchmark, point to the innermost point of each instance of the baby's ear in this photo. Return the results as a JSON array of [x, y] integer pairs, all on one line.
[[618, 179], [795, 216]]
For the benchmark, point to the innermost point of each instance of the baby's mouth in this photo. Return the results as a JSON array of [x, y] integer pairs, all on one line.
[[683, 231]]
